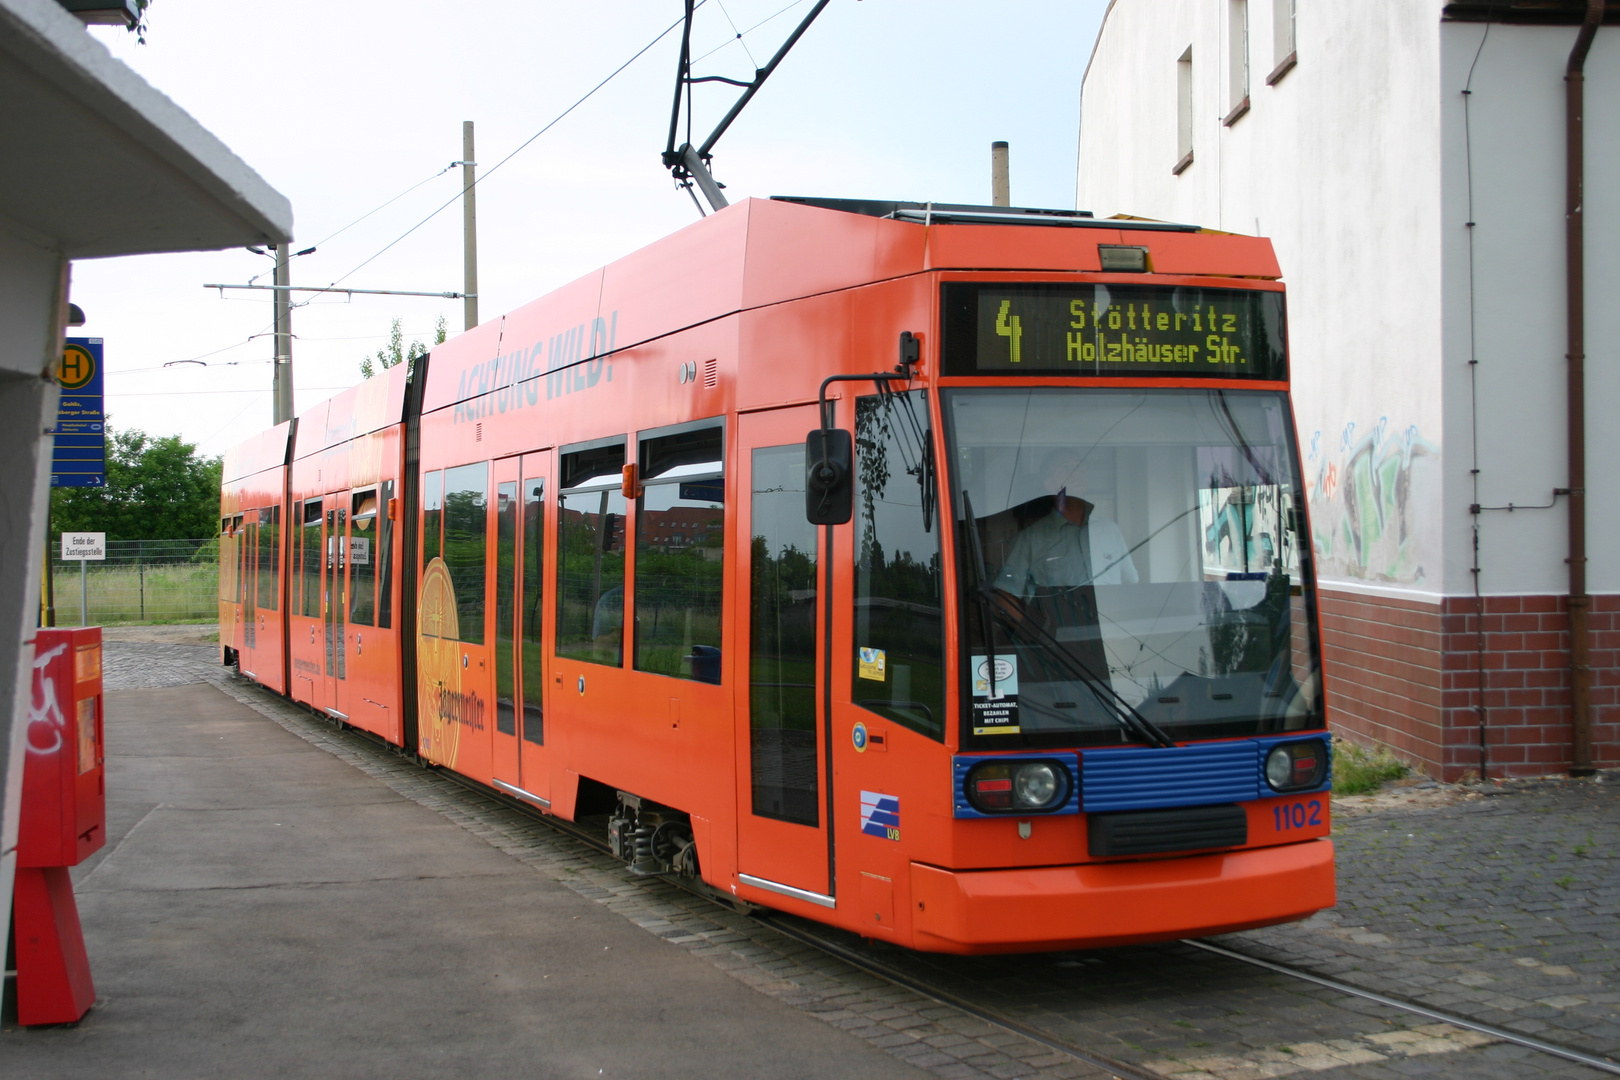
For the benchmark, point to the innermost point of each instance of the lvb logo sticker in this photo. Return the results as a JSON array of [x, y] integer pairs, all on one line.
[[880, 815]]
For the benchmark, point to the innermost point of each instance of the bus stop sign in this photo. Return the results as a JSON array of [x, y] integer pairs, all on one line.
[[79, 457]]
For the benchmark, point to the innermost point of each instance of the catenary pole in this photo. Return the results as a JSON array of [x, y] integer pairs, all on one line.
[[469, 223], [283, 366]]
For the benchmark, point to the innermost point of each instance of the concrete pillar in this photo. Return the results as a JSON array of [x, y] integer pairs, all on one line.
[[33, 300]]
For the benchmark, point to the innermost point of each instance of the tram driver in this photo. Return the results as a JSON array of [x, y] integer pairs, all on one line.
[[1049, 577], [1072, 545]]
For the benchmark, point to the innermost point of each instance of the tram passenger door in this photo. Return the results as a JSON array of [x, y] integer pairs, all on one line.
[[334, 597], [249, 541], [784, 836], [505, 766], [520, 661]]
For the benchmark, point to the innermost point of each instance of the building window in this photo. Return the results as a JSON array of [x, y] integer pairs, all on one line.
[[1282, 40], [1237, 60], [1184, 112]]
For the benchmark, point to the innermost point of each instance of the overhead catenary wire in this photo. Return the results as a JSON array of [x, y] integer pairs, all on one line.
[[387, 204], [520, 148], [731, 41], [250, 390]]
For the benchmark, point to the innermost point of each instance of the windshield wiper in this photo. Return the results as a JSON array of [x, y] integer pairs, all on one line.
[[990, 607], [1032, 631], [987, 622]]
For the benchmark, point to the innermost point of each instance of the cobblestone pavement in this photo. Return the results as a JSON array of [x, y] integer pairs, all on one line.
[[1500, 908]]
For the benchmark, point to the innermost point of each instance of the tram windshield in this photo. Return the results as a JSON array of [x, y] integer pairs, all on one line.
[[1132, 565]]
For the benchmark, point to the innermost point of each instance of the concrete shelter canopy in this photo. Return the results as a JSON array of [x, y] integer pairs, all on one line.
[[103, 164]]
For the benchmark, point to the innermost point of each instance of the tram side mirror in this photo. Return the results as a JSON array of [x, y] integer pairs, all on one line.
[[829, 488]]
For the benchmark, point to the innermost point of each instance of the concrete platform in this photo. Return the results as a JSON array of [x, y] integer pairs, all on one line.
[[262, 909]]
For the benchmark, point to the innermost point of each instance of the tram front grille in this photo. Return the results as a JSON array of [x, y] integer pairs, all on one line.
[[1160, 832]]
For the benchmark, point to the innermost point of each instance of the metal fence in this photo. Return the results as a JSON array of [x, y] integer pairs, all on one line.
[[142, 581]]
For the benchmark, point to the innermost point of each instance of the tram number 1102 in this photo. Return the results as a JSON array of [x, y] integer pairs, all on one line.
[[1298, 815]]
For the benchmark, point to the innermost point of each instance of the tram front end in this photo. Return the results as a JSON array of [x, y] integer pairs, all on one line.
[[1133, 744]]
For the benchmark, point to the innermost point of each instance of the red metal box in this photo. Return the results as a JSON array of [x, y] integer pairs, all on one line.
[[64, 807]]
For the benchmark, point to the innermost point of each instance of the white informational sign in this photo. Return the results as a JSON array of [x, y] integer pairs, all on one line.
[[91, 546], [360, 550]]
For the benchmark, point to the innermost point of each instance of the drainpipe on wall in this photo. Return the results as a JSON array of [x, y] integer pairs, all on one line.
[[1580, 668]]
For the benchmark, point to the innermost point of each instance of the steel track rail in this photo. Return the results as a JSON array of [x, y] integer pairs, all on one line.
[[1601, 1064], [1120, 1070]]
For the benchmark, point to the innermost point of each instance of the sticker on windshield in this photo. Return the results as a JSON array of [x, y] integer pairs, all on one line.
[[998, 681], [872, 662], [995, 694]]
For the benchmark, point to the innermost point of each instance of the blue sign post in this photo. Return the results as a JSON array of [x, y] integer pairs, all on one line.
[[80, 456]]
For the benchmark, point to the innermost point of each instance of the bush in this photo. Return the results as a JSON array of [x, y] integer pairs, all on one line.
[[1357, 770]]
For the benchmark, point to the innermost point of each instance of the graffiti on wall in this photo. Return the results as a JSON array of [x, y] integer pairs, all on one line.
[[1372, 501]]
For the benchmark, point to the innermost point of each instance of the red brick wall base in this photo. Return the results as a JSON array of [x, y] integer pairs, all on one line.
[[1407, 675]]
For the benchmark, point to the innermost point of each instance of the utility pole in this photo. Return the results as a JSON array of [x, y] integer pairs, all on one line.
[[283, 365], [469, 223], [1000, 185]]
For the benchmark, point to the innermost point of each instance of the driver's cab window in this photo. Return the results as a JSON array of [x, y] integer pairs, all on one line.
[[1129, 551]]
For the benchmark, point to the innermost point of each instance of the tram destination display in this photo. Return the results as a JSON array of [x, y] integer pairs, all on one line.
[[1111, 329]]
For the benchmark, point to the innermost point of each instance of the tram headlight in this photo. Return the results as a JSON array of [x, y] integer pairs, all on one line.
[[1035, 785], [1017, 786], [1296, 766]]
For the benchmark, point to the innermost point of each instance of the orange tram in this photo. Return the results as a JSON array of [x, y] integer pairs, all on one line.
[[936, 572]]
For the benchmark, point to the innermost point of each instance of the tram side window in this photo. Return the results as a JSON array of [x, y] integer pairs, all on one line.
[[680, 531], [385, 556], [312, 558], [362, 558], [225, 592], [239, 555], [432, 512], [268, 550], [506, 509], [534, 518], [590, 563], [466, 545], [899, 641], [782, 641], [274, 600]]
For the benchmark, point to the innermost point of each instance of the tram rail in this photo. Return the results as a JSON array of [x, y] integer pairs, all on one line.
[[818, 937], [825, 940]]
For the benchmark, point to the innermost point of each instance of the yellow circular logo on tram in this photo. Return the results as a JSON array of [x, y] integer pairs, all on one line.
[[76, 368], [438, 665]]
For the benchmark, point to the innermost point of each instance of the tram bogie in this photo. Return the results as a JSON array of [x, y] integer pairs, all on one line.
[[895, 566]]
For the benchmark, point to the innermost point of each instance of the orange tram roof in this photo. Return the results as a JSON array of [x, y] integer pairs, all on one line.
[[754, 253]]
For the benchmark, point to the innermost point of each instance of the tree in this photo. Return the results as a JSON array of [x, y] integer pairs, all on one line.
[[157, 489], [394, 353]]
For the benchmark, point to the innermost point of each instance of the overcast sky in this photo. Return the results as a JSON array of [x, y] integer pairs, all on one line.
[[343, 105]]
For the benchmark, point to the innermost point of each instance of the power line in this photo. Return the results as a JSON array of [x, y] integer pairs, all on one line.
[[248, 391], [256, 390], [387, 204], [485, 176], [750, 30], [200, 356]]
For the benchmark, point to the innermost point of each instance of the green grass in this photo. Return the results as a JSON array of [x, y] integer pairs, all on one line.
[[1357, 770], [174, 593]]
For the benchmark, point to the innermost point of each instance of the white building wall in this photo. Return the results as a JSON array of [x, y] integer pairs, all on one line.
[[1339, 164], [1515, 127]]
